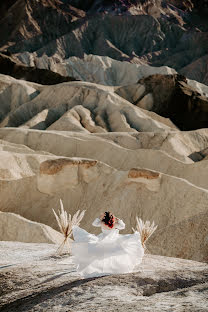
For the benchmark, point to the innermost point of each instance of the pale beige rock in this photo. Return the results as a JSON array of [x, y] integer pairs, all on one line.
[[118, 122], [104, 70], [86, 120], [14, 96], [186, 239], [6, 81], [66, 172], [16, 228], [150, 179], [16, 148], [87, 100], [167, 152], [14, 93], [107, 184], [19, 162], [94, 186], [70, 121]]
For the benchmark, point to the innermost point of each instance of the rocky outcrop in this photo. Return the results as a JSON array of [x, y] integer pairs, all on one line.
[[90, 107], [173, 98], [93, 108], [30, 23], [123, 151], [197, 70], [17, 70], [39, 279], [179, 239], [106, 71], [16, 228]]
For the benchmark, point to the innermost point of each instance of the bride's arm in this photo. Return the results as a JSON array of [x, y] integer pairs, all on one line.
[[96, 222], [120, 225]]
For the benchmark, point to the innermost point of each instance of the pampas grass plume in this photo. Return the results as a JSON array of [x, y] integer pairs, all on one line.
[[146, 229], [66, 222]]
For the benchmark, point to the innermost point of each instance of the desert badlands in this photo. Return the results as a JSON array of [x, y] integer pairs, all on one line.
[[125, 130]]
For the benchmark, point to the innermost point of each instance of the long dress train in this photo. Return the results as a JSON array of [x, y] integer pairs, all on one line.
[[107, 253]]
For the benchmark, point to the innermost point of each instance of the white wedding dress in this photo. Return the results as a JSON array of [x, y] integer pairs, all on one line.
[[107, 253]]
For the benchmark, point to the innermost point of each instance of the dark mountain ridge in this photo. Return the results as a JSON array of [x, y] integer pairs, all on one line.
[[158, 32]]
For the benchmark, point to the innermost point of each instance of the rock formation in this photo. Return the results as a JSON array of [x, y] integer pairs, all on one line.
[[159, 32], [173, 98], [187, 232], [13, 68], [155, 90], [16, 228]]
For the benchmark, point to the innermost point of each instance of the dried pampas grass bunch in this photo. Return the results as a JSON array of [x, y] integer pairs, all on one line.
[[66, 222], [146, 229]]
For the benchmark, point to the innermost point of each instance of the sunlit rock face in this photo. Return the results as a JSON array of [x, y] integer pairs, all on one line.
[[16, 228], [120, 97]]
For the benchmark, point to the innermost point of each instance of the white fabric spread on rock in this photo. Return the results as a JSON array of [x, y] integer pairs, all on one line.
[[107, 253]]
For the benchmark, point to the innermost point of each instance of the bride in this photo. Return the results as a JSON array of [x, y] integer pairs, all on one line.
[[109, 252]]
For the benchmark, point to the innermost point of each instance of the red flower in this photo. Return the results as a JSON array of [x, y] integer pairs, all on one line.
[[111, 222], [109, 219]]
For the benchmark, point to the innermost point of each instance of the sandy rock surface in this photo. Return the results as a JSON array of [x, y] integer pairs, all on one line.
[[34, 278], [181, 237], [16, 228]]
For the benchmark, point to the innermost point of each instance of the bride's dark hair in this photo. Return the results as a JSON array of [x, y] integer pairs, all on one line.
[[108, 219]]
